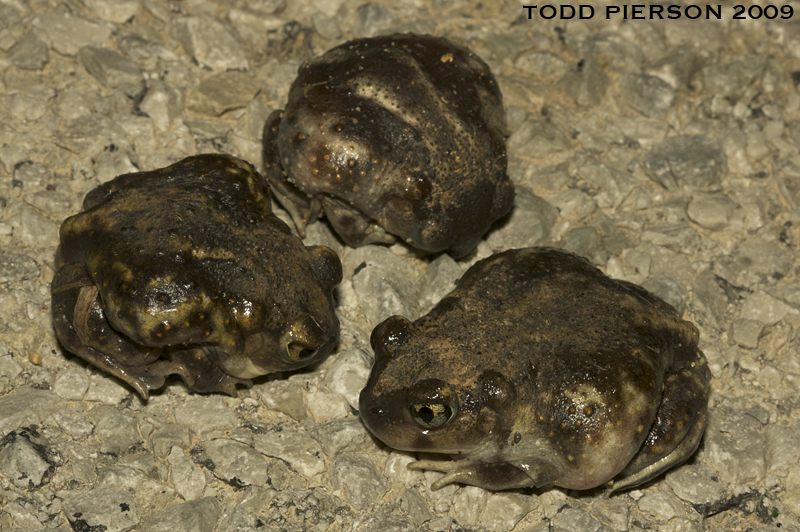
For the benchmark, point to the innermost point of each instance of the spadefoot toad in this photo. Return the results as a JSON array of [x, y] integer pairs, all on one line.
[[539, 370], [393, 136], [185, 270]]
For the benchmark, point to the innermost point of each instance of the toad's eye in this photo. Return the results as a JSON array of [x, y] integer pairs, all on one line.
[[431, 415], [432, 403], [297, 351]]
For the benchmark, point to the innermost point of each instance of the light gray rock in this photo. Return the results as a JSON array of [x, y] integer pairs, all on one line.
[[15, 267], [612, 512], [542, 64], [201, 515], [72, 384], [439, 279], [468, 504], [237, 464], [766, 309], [384, 283], [325, 26], [342, 435], [586, 242], [140, 49], [90, 136], [529, 224], [222, 92], [308, 510], [681, 524], [25, 459], [68, 33], [712, 210], [585, 84], [268, 7], [29, 53], [28, 101], [238, 519], [677, 237], [207, 414], [669, 290], [161, 103], [747, 332], [348, 373], [282, 396], [31, 174], [382, 522], [324, 406], [783, 453], [53, 202], [677, 68], [105, 389], [73, 423], [104, 509], [371, 18], [738, 451], [117, 432], [187, 479], [613, 50], [538, 139], [573, 204], [125, 476], [504, 510], [10, 25], [649, 95], [755, 261], [9, 368], [733, 78], [209, 42], [613, 185], [694, 160], [358, 479], [415, 505], [696, 484], [663, 505], [34, 229], [119, 11], [168, 436], [25, 406], [573, 519], [294, 445], [72, 103], [111, 69]]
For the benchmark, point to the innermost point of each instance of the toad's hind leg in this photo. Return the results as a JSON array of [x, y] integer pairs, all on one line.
[[678, 428], [301, 208], [81, 325]]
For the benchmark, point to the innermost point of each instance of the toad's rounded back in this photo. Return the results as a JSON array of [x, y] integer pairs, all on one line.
[[401, 132]]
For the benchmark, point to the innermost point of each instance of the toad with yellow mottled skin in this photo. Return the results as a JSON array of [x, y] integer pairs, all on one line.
[[393, 136], [539, 370], [185, 270]]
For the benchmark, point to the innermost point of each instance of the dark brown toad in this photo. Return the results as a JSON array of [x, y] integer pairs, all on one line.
[[393, 136], [539, 370], [185, 270]]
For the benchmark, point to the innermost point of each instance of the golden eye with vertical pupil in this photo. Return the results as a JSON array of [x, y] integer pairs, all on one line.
[[431, 415]]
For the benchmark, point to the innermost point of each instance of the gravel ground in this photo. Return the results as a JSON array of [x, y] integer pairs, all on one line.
[[665, 151]]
